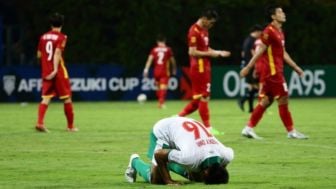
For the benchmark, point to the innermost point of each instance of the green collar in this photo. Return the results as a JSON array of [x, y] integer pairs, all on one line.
[[210, 161]]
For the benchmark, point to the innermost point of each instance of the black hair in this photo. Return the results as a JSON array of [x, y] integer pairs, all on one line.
[[256, 27], [217, 174], [210, 13], [270, 10], [56, 19], [160, 37]]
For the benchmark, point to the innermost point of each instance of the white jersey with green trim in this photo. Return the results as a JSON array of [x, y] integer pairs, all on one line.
[[190, 141]]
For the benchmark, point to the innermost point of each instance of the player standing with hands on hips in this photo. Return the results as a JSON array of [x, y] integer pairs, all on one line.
[[200, 53], [271, 76], [55, 78]]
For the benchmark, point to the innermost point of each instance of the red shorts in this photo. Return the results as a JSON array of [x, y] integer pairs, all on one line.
[[56, 87], [201, 83], [273, 88], [161, 80], [161, 77]]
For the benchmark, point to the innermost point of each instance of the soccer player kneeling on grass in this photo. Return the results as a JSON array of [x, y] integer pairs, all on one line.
[[189, 150]]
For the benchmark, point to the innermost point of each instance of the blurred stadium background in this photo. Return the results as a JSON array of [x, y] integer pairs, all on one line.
[[109, 41]]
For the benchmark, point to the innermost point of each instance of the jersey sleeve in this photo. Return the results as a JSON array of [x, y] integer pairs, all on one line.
[[152, 52], [227, 154], [192, 38], [266, 36], [176, 156]]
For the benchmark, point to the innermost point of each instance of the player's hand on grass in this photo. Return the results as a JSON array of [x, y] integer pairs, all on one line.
[[174, 183]]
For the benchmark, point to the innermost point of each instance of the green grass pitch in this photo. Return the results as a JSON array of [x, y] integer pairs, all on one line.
[[96, 156]]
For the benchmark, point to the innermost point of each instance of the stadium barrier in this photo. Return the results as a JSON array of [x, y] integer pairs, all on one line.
[[111, 82]]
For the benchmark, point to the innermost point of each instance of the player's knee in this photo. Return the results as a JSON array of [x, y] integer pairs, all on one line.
[[283, 100], [265, 101], [67, 100]]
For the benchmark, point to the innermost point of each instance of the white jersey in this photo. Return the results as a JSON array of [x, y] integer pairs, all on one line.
[[190, 141]]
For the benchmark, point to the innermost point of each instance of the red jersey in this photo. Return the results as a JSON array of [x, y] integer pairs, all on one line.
[[48, 43], [199, 38], [273, 57], [161, 56], [260, 62]]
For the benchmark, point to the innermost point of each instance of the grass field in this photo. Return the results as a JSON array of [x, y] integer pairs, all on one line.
[[97, 155]]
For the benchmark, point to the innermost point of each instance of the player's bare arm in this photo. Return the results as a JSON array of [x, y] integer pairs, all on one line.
[[292, 64], [253, 60], [56, 61], [161, 157], [210, 53], [173, 65], [38, 54], [147, 66], [221, 53]]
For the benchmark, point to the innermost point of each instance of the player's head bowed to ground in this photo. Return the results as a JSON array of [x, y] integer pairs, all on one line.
[[186, 147]]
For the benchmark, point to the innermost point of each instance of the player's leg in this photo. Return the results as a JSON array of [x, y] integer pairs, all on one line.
[[42, 110], [136, 165], [287, 119], [69, 114], [202, 85], [284, 113], [64, 92], [47, 94], [255, 117], [163, 85], [190, 107], [243, 99], [251, 96], [204, 112]]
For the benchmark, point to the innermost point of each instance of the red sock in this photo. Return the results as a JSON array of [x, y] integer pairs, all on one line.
[[286, 117], [190, 108], [162, 96], [42, 109], [203, 110], [158, 94], [69, 114], [256, 115]]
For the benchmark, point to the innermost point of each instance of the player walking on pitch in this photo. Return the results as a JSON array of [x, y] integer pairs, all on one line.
[[272, 80], [164, 63], [200, 67], [55, 78]]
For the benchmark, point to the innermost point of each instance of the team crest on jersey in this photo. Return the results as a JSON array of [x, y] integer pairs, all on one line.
[[8, 84]]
